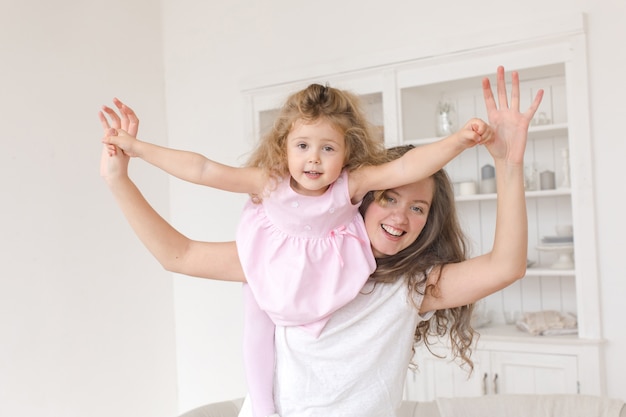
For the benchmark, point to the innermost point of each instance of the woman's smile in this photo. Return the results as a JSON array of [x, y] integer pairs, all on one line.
[[392, 230]]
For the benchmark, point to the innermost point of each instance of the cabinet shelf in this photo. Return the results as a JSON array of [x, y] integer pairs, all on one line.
[[547, 131], [546, 271], [529, 194], [490, 335], [509, 332], [549, 193], [535, 132]]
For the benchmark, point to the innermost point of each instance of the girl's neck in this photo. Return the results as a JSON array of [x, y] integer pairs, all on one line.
[[298, 189]]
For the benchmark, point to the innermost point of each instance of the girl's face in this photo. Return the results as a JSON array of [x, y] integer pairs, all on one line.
[[397, 222], [316, 153]]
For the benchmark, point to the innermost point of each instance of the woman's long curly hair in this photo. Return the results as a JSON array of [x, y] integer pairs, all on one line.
[[441, 242], [341, 108]]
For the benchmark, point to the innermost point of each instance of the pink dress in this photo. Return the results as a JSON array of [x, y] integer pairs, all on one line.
[[304, 257]]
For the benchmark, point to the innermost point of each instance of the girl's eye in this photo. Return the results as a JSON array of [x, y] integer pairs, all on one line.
[[417, 209], [302, 145], [328, 149]]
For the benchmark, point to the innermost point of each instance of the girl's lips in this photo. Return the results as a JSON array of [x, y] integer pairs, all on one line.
[[390, 230], [312, 174]]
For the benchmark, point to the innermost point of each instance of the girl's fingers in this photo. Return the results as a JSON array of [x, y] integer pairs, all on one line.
[[111, 150]]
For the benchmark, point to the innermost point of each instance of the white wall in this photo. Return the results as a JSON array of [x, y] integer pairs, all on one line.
[[607, 63], [86, 315], [214, 48]]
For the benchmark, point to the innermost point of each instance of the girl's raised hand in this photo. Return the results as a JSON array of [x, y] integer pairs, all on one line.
[[509, 124], [475, 132], [120, 139]]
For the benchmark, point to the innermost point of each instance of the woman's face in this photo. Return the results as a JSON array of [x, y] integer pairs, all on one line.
[[398, 221]]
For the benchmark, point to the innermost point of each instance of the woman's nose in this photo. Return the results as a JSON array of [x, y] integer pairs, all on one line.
[[399, 215]]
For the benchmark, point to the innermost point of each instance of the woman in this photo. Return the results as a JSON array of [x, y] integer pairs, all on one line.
[[358, 364]]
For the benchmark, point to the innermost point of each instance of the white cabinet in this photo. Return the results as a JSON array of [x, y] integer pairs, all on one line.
[[537, 373], [508, 363], [495, 372], [403, 99]]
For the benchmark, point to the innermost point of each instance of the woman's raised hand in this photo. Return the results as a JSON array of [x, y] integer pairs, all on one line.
[[509, 124], [128, 120]]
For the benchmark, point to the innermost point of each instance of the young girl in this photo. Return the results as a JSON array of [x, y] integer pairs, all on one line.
[[301, 228]]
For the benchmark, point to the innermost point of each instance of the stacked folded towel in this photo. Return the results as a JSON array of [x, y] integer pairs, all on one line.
[[548, 322]]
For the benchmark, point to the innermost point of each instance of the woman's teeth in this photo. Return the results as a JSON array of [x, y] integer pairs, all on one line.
[[392, 230]]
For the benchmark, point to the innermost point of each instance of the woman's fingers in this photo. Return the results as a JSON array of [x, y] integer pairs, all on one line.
[[130, 121], [502, 97], [104, 121], [515, 91], [490, 103], [115, 119], [530, 113]]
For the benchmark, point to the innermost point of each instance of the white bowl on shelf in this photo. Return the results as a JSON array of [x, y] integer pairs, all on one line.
[[566, 230], [565, 254]]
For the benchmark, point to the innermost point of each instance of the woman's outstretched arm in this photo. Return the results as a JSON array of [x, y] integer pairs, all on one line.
[[176, 252], [466, 282]]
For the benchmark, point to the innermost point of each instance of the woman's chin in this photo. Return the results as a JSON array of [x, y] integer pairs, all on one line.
[[386, 250]]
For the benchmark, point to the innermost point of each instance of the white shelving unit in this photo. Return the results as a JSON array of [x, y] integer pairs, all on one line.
[[402, 99]]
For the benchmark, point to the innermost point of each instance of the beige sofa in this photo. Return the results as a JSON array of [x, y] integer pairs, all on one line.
[[487, 406], [231, 409]]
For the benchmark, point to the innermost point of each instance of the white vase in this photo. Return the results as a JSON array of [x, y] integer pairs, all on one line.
[[445, 125]]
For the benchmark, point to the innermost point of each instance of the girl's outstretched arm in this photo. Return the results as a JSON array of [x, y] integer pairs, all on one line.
[[418, 163], [466, 282], [188, 166], [173, 250]]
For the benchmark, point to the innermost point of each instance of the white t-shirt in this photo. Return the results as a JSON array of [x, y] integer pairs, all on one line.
[[358, 364]]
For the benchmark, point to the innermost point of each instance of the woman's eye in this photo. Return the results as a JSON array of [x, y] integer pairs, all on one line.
[[417, 209]]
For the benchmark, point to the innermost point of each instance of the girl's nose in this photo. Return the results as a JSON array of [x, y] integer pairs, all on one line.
[[314, 158]]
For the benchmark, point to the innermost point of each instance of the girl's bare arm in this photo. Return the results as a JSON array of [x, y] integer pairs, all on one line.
[[189, 166]]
